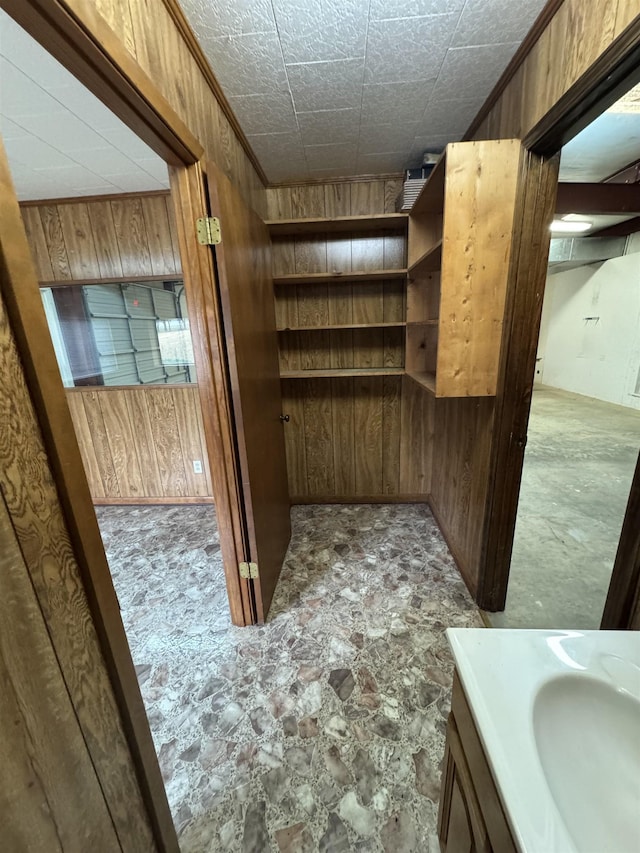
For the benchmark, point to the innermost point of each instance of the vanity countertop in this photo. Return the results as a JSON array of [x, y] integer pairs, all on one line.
[[558, 713]]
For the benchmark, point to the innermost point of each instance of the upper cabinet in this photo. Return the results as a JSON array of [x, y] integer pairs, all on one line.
[[459, 241]]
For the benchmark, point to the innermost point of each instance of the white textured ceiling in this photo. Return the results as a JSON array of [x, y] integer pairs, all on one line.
[[325, 88], [60, 139]]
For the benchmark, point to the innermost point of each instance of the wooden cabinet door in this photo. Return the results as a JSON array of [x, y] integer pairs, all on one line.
[[243, 267]]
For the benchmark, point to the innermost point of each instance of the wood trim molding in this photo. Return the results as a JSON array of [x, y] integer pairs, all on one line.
[[88, 199], [611, 75], [451, 545], [190, 201], [77, 35], [199, 501], [303, 500], [351, 179], [624, 588], [181, 22], [129, 279], [523, 310], [540, 24]]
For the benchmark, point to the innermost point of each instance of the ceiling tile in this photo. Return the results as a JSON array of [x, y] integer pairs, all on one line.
[[381, 10], [266, 113], [407, 48], [329, 125], [320, 30], [33, 152], [216, 18], [386, 138], [477, 24], [339, 156], [326, 85], [451, 116], [372, 164], [247, 65], [471, 72], [389, 103]]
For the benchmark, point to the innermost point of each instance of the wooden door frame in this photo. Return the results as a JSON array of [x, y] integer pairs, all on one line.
[[79, 38], [597, 89]]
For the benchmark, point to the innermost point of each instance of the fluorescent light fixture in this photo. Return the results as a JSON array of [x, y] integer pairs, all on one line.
[[562, 226]]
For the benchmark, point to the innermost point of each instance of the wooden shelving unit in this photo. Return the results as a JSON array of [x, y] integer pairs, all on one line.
[[459, 237], [326, 225], [345, 372], [340, 295], [336, 277]]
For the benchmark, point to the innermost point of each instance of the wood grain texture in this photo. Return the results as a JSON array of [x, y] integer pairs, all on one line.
[[129, 236], [344, 434], [243, 262], [38, 812], [40, 466]]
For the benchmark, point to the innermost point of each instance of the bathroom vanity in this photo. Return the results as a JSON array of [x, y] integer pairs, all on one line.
[[543, 743]]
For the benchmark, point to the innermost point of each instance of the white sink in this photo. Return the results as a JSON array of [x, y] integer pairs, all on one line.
[[588, 738], [558, 713]]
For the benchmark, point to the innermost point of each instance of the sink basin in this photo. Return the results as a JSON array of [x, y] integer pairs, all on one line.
[[558, 715], [587, 734]]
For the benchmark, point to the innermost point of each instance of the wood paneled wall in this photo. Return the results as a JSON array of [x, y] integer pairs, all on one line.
[[67, 780], [577, 35], [141, 442], [112, 237], [138, 443], [346, 437]]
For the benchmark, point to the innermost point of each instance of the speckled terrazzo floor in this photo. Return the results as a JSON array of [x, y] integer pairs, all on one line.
[[322, 730]]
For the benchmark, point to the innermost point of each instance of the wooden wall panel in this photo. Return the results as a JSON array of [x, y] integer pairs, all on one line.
[[344, 435], [139, 443], [460, 478], [109, 238]]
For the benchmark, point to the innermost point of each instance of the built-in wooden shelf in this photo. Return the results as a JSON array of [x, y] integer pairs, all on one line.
[[343, 326], [425, 380], [323, 225], [336, 277], [431, 196], [433, 322], [334, 373], [431, 261]]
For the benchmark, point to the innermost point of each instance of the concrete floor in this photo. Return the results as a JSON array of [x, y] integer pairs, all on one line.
[[580, 458]]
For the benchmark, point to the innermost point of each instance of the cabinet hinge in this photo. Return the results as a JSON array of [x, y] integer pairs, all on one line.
[[249, 571], [208, 230]]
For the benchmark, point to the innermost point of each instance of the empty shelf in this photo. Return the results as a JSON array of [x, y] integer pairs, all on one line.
[[342, 326], [334, 373], [335, 278], [378, 222], [431, 261], [425, 380]]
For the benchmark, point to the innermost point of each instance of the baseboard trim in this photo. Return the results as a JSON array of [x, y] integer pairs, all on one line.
[[304, 500], [208, 501], [460, 563]]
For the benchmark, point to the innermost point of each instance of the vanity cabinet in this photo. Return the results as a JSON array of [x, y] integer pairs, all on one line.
[[471, 818]]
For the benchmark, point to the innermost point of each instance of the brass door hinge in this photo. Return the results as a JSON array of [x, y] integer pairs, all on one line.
[[208, 230], [249, 571]]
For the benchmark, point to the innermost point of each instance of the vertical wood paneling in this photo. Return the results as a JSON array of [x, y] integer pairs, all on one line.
[[368, 404], [318, 435], [164, 428], [140, 442], [55, 244], [105, 238], [158, 231], [136, 400], [121, 438], [78, 239], [131, 233], [41, 743], [37, 242], [416, 439]]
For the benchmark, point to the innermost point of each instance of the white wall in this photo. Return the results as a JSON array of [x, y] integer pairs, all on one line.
[[590, 332]]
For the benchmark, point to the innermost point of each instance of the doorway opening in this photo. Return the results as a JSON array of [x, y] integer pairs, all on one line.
[[584, 428], [97, 211]]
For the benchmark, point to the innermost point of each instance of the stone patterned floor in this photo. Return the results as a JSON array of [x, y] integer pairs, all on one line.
[[323, 730]]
